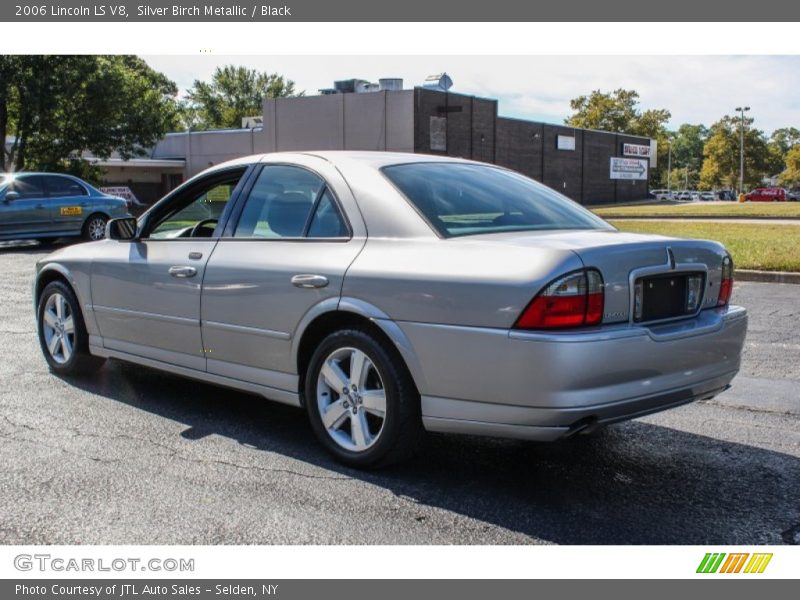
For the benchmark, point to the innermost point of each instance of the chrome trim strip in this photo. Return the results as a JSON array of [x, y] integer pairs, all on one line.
[[281, 335]]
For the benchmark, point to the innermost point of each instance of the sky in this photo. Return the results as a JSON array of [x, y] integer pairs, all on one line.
[[695, 89]]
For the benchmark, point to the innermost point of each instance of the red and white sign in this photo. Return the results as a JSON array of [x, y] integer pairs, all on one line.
[[636, 150], [123, 192]]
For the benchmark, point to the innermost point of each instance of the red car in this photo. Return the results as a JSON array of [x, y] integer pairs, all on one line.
[[766, 194]]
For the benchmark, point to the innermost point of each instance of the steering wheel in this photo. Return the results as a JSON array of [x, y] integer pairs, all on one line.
[[196, 229]]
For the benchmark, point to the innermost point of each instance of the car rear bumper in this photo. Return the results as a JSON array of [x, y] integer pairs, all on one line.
[[547, 385]]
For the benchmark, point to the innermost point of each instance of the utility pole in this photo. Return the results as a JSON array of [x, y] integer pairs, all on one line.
[[741, 110], [669, 170]]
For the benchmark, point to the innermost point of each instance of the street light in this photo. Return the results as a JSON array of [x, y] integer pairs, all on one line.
[[669, 169], [741, 110]]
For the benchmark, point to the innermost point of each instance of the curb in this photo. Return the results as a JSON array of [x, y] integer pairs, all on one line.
[[674, 217], [766, 276]]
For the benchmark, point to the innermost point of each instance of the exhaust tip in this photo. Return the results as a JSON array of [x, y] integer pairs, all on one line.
[[584, 425]]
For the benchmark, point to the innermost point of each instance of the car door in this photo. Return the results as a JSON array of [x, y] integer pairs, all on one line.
[[68, 203], [146, 292], [27, 213], [287, 251]]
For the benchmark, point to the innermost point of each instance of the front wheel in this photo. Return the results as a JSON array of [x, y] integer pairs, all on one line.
[[95, 228], [361, 400], [62, 332]]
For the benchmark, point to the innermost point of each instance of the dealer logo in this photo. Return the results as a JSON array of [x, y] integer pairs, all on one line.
[[735, 562]]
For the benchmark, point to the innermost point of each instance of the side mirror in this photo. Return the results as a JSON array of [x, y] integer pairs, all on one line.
[[11, 195], [122, 229]]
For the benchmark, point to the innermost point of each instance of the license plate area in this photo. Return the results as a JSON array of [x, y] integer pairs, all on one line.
[[667, 296]]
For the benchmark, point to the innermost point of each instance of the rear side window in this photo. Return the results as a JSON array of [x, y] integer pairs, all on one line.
[[466, 199], [289, 202], [62, 187]]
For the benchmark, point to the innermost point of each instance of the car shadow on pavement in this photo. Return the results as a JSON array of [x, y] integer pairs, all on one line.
[[634, 483]]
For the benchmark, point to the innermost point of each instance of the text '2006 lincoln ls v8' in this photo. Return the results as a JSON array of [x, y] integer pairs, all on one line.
[[390, 294]]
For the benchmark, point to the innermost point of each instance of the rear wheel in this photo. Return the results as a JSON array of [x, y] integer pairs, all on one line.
[[95, 228], [62, 332], [361, 400]]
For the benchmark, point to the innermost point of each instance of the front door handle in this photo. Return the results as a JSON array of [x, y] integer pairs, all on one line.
[[309, 281], [182, 272]]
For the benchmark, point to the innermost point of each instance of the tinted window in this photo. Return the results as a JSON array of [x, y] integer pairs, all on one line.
[[465, 199], [61, 187], [280, 203], [327, 221], [29, 187]]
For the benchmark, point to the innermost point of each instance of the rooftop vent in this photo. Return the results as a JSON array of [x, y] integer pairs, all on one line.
[[440, 82]]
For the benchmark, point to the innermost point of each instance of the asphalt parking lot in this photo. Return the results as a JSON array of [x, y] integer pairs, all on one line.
[[134, 456]]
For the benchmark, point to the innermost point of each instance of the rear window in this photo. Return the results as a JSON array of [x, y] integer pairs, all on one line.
[[465, 199]]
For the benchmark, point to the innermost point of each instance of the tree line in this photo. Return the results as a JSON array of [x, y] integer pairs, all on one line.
[[54, 109], [702, 157]]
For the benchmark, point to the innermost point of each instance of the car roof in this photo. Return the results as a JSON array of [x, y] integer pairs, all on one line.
[[375, 159]]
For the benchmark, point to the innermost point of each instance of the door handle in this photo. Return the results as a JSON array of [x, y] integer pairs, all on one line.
[[182, 272], [309, 281]]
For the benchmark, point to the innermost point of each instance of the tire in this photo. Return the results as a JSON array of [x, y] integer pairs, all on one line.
[[390, 439], [94, 228], [62, 332]]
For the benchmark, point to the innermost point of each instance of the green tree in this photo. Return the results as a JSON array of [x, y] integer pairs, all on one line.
[[791, 175], [721, 154], [619, 111], [233, 93], [687, 147], [57, 107], [780, 143]]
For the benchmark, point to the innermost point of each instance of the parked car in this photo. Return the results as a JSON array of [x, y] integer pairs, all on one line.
[[793, 195], [47, 206], [684, 195], [707, 196], [389, 294], [767, 194], [726, 195], [661, 194]]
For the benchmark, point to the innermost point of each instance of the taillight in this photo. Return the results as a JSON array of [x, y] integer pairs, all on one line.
[[574, 300], [726, 285]]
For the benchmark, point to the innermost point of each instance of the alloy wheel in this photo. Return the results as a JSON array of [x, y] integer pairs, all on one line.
[[97, 229], [58, 325], [351, 399]]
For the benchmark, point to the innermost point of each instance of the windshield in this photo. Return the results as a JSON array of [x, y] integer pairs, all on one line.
[[466, 199]]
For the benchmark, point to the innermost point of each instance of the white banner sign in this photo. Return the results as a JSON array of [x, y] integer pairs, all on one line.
[[123, 192], [628, 168], [565, 142], [635, 150]]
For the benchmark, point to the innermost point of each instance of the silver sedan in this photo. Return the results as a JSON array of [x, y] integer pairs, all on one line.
[[389, 294]]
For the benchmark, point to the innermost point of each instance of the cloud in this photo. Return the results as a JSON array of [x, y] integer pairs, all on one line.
[[696, 89]]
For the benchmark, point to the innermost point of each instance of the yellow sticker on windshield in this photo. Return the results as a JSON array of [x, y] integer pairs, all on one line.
[[71, 211]]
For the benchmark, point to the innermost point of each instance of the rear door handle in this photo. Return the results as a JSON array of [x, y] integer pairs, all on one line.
[[309, 281], [182, 272]]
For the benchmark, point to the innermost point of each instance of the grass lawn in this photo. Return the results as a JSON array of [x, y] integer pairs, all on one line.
[[777, 210], [753, 246]]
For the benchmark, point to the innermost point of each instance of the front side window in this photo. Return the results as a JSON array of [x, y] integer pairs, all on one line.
[[63, 187], [29, 187], [197, 215], [289, 202], [466, 199]]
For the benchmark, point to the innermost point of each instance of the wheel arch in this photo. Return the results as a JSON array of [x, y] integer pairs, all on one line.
[[334, 314]]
